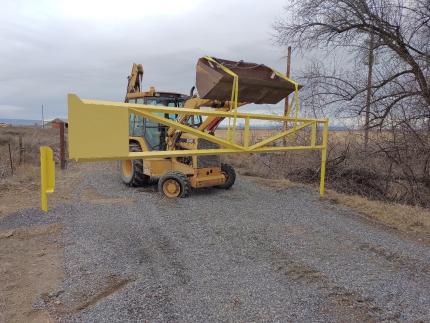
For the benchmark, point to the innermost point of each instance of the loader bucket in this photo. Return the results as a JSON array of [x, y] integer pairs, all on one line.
[[257, 82]]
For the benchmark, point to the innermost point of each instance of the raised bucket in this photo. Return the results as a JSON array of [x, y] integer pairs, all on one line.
[[257, 82]]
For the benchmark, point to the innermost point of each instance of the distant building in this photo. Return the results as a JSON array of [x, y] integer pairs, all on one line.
[[3, 125], [55, 123]]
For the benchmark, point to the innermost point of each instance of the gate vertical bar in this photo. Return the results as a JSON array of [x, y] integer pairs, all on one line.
[[323, 156]]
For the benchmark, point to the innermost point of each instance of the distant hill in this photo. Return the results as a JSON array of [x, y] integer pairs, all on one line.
[[21, 122]]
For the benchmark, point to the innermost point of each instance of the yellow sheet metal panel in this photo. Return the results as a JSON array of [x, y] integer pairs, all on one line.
[[47, 175], [97, 130], [157, 167]]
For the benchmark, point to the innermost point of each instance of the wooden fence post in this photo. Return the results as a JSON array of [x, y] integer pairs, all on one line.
[[21, 151], [62, 150], [10, 158]]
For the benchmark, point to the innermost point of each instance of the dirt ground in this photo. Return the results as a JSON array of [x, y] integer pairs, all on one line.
[[106, 252], [31, 265], [31, 259]]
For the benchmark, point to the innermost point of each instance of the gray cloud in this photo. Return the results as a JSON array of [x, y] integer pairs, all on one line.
[[50, 49]]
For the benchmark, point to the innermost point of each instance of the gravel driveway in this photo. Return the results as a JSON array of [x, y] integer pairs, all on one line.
[[249, 254]]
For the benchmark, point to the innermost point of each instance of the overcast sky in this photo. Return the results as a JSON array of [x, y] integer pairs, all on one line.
[[51, 48]]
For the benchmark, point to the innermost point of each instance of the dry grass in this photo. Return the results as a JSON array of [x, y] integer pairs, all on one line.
[[21, 190], [405, 218], [32, 139], [373, 175]]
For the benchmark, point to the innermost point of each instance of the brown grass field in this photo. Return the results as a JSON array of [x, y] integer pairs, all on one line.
[[279, 170]]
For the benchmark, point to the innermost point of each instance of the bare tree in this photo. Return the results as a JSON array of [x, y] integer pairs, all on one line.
[[400, 89], [402, 30]]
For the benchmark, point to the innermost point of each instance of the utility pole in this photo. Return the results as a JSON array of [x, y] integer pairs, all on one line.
[[43, 119], [286, 104], [369, 92]]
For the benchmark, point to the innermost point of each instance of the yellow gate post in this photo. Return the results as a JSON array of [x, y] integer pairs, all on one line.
[[323, 156], [47, 175]]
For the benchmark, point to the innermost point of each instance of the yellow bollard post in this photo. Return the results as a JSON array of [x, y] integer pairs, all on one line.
[[323, 156], [47, 176]]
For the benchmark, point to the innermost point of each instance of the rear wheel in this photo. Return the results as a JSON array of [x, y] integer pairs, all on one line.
[[174, 184], [132, 170], [230, 176]]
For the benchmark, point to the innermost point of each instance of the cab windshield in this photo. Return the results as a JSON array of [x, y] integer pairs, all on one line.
[[155, 133]]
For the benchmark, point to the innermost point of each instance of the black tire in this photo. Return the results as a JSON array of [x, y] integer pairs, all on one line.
[[230, 175], [134, 176], [180, 178]]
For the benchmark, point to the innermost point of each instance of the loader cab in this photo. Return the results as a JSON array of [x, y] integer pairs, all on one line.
[[155, 133]]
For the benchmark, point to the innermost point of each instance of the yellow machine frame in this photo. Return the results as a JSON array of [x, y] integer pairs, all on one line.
[[92, 138], [94, 141]]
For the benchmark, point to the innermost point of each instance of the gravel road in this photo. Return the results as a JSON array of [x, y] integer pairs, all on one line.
[[249, 254]]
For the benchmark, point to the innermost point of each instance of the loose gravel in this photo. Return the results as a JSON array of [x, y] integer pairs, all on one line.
[[251, 254]]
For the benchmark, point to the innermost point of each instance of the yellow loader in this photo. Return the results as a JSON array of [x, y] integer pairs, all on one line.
[[171, 136], [177, 175]]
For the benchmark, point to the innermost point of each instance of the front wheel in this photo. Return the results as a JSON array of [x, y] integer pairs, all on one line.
[[230, 176], [174, 184]]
